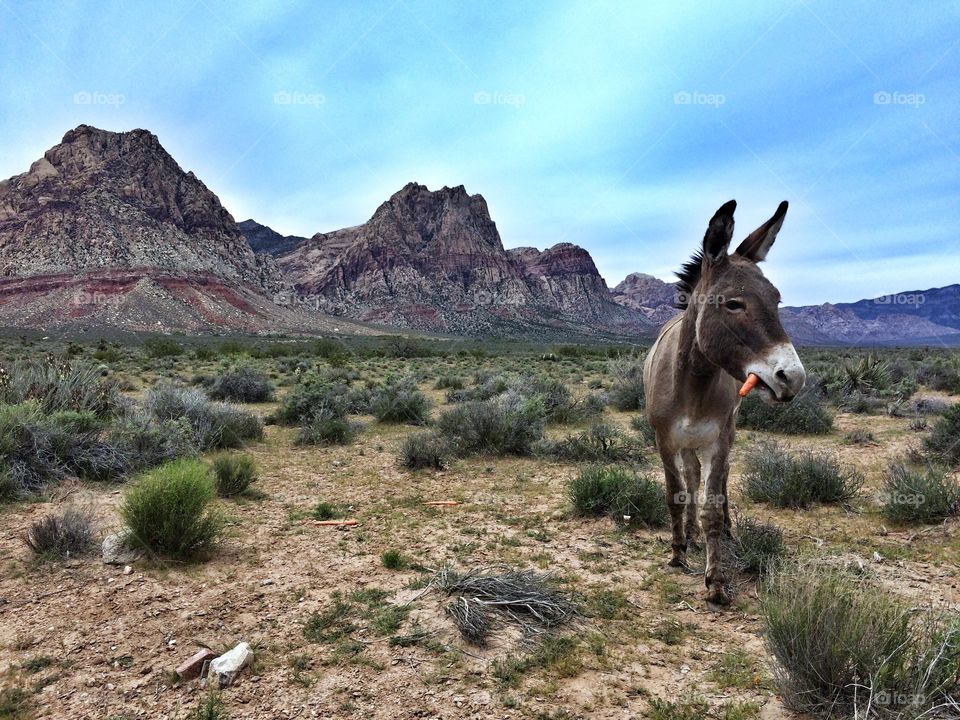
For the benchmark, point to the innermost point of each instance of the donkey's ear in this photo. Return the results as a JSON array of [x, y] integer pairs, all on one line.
[[719, 232], [759, 242]]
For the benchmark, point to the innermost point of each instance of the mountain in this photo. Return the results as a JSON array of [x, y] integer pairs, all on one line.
[[267, 240], [434, 261], [917, 317], [651, 296], [920, 316], [106, 229]]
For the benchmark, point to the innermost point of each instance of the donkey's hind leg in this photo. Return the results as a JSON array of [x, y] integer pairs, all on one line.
[[691, 477], [675, 501]]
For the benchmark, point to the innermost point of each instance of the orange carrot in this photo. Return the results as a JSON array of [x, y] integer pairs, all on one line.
[[441, 503], [340, 523], [749, 385]]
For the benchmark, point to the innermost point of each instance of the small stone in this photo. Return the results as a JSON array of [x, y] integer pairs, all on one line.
[[226, 667], [115, 550], [191, 667], [127, 570]]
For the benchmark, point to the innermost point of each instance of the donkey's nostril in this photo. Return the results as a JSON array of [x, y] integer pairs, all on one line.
[[782, 377]]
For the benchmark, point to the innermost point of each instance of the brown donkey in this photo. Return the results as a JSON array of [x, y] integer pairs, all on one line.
[[729, 328]]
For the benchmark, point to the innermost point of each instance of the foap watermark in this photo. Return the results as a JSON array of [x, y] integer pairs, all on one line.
[[883, 97], [84, 298], [684, 497], [902, 498], [484, 97], [295, 97], [708, 299], [85, 97], [915, 299], [286, 298], [684, 97]]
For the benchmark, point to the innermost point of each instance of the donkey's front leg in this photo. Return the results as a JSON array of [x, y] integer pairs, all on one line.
[[691, 477], [675, 501], [715, 470]]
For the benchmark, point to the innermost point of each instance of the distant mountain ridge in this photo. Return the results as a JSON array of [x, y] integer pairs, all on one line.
[[107, 230], [434, 261]]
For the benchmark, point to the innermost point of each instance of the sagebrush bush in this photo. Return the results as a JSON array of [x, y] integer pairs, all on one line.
[[170, 511], [326, 427], [214, 425], [425, 449], [449, 381], [805, 415], [848, 648], [505, 425], [940, 375], [311, 393], [643, 428], [782, 479], [161, 347], [626, 390], [62, 535], [918, 495], [758, 546], [56, 384], [149, 442], [244, 384], [618, 493], [599, 443], [943, 444], [399, 401], [234, 473]]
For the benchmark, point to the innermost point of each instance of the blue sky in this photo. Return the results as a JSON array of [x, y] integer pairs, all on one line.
[[617, 126]]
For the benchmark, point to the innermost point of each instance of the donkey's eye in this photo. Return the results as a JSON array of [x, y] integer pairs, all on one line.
[[734, 305]]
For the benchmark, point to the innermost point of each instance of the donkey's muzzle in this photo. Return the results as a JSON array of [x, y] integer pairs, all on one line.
[[780, 371]]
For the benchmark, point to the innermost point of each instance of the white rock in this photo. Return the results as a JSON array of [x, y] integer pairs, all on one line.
[[230, 663], [115, 550]]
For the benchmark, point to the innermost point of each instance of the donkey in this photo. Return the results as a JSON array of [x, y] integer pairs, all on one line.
[[729, 328]]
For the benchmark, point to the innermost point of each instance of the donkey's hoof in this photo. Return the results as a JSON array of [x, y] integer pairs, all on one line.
[[678, 561], [717, 597]]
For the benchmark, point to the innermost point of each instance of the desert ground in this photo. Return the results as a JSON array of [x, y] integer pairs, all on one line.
[[83, 639]]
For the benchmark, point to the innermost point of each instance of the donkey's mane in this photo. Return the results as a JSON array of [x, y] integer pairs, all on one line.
[[687, 279]]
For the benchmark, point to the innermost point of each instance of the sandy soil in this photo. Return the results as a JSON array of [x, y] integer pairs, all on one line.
[[112, 639]]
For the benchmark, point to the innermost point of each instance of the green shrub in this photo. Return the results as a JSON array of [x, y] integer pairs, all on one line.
[[868, 376], [621, 494], [242, 385], [327, 511], [626, 391], [211, 707], [773, 475], [759, 546], [234, 473], [599, 443], [939, 375], [394, 560], [805, 415], [169, 511], [399, 401], [57, 384], [449, 381], [643, 428], [847, 648], [214, 425], [63, 535], [324, 427], [943, 444], [925, 495], [161, 347], [506, 425], [426, 449], [310, 394]]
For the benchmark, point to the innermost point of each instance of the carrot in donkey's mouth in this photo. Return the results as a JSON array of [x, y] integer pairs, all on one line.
[[749, 385]]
